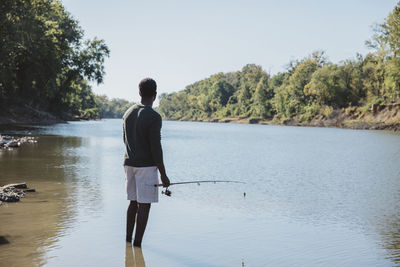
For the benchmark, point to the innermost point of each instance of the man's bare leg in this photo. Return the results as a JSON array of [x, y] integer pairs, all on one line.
[[141, 222], [130, 219]]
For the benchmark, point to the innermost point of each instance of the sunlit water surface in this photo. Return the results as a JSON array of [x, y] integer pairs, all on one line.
[[314, 197]]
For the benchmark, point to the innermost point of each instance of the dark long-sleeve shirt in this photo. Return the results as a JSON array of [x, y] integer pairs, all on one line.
[[142, 136]]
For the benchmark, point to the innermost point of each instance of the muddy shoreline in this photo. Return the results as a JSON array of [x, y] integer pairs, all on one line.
[[13, 114], [388, 118], [27, 115]]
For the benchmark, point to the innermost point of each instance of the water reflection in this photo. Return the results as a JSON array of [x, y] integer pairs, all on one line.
[[134, 256], [391, 240], [53, 167], [388, 224]]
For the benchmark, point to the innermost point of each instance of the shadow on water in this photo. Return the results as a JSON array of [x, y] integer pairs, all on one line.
[[16, 129], [34, 225]]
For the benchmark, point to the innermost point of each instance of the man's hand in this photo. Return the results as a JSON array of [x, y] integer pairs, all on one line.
[[165, 180]]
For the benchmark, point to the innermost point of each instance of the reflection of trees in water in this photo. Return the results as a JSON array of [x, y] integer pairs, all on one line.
[[390, 233], [53, 168], [387, 212]]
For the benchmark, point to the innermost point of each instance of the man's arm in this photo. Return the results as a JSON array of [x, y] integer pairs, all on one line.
[[156, 150], [123, 131], [164, 177]]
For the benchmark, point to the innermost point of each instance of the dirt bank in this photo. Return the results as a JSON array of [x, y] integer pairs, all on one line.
[[24, 114], [378, 117]]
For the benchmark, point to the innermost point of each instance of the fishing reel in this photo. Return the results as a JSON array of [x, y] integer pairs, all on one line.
[[166, 192]]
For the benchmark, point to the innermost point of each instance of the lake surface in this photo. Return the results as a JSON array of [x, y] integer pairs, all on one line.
[[314, 197]]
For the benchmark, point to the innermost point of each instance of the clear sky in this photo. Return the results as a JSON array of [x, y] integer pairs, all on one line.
[[178, 42]]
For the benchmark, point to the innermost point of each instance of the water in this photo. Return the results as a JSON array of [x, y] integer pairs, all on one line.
[[314, 196]]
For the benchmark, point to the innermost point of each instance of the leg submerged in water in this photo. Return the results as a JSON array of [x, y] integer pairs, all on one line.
[[130, 219], [141, 222]]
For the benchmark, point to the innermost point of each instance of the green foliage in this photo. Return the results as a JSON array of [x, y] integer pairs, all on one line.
[[327, 86], [79, 102], [391, 86], [290, 98], [374, 75], [352, 76], [44, 60], [221, 95], [388, 33], [261, 107], [111, 108]]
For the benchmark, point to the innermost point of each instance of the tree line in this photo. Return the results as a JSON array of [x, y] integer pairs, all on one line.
[[111, 108], [309, 88]]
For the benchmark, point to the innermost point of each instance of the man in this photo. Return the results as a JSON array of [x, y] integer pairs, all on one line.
[[143, 156]]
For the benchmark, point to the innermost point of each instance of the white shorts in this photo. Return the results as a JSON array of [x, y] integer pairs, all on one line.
[[140, 183]]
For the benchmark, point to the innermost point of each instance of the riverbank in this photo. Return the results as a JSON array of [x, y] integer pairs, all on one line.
[[25, 114], [378, 117]]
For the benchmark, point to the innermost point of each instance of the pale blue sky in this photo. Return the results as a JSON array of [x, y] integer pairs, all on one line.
[[180, 42]]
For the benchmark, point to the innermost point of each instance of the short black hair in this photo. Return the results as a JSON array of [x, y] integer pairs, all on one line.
[[148, 87]]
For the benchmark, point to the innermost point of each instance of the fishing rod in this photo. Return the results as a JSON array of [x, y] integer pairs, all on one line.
[[168, 192]]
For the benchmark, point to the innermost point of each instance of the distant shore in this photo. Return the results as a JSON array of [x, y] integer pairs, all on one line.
[[378, 118]]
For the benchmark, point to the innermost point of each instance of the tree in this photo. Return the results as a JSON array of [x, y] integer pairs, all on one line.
[[388, 33], [44, 58], [387, 42], [373, 75], [352, 75], [289, 98], [261, 107], [327, 86], [220, 92]]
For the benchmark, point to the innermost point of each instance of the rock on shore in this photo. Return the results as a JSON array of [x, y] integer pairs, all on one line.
[[13, 192], [7, 141]]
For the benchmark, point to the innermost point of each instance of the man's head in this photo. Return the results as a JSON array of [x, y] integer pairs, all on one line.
[[148, 88]]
